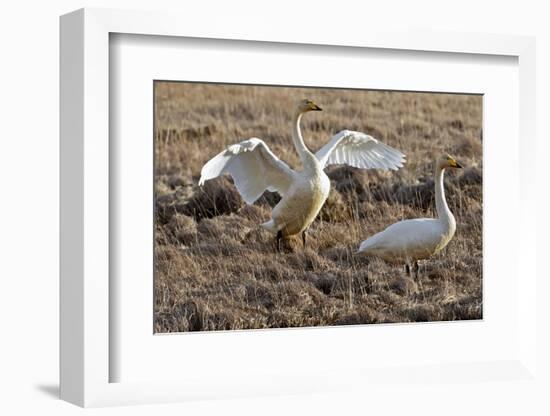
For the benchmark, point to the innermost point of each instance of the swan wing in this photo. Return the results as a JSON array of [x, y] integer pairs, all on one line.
[[253, 167], [359, 150]]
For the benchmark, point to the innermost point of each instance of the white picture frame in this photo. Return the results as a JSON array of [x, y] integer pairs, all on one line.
[[86, 357]]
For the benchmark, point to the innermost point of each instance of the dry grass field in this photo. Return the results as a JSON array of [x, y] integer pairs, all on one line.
[[216, 269]]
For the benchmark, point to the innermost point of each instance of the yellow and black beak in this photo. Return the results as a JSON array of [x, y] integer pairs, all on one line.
[[455, 164], [315, 107]]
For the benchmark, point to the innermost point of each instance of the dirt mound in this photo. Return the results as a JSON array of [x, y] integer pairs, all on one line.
[[422, 194], [268, 199], [346, 179], [336, 208], [182, 228], [216, 197], [230, 226], [470, 176]]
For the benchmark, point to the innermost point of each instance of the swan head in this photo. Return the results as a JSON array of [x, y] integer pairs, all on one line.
[[308, 105], [448, 161]]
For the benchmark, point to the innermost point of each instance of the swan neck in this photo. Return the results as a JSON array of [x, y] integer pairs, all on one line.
[[299, 144], [443, 211]]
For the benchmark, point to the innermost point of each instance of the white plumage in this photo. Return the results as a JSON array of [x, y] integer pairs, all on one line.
[[240, 160], [415, 239], [255, 169], [360, 151]]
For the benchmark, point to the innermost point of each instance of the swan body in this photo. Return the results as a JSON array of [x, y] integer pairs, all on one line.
[[303, 201], [254, 169], [416, 239]]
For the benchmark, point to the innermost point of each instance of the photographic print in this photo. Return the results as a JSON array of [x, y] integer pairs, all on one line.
[[280, 207]]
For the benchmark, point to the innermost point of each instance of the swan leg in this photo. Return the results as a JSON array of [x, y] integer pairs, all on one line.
[[418, 281], [279, 237], [416, 269], [304, 238]]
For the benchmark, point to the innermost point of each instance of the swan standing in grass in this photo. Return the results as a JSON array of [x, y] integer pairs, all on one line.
[[416, 239], [254, 168]]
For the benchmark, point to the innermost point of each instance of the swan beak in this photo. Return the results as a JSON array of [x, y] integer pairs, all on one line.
[[315, 107], [456, 165]]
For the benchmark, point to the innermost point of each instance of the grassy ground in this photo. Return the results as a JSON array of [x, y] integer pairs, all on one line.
[[217, 270]]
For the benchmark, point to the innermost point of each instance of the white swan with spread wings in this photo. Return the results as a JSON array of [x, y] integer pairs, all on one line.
[[254, 169]]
